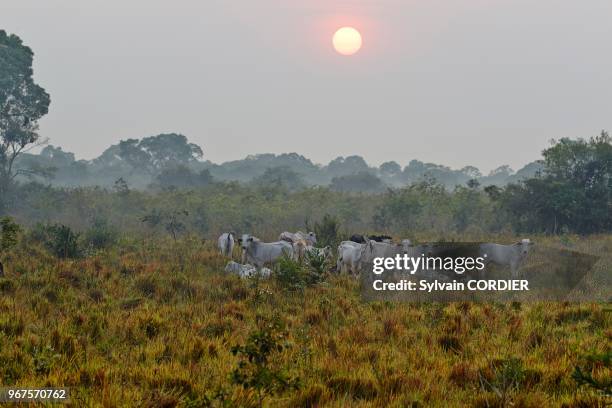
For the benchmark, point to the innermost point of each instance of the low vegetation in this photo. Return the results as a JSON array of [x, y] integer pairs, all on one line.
[[157, 323]]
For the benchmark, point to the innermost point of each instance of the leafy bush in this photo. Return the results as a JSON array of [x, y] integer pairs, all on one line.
[[318, 264], [61, 241], [290, 273], [8, 233], [255, 369], [294, 275], [101, 234], [583, 375], [505, 378]]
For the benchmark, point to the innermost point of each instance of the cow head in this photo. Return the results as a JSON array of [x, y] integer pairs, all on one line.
[[406, 244], [524, 245], [245, 241], [313, 237]]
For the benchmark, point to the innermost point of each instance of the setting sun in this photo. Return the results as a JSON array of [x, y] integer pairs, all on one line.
[[347, 41]]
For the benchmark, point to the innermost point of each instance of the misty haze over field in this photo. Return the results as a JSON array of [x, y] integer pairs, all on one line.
[[461, 83]]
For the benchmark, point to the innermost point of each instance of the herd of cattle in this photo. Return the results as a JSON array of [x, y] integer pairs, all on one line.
[[352, 255]]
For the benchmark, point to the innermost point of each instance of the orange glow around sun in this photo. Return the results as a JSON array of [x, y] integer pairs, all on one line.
[[347, 41]]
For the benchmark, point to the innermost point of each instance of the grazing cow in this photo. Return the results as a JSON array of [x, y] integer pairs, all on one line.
[[310, 238], [349, 257], [358, 238], [510, 255], [260, 253], [226, 243], [374, 249], [381, 238], [286, 236], [300, 247]]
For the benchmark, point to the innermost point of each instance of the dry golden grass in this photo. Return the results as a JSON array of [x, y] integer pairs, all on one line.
[[153, 325]]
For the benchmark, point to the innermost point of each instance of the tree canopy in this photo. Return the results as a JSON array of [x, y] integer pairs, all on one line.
[[574, 192], [154, 153], [22, 104]]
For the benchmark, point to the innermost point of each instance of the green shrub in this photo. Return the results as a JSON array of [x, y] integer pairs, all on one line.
[[62, 242], [101, 234], [318, 265], [255, 369], [583, 374], [291, 274], [8, 234], [505, 378]]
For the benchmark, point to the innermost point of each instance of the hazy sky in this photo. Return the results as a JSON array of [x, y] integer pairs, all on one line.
[[457, 82]]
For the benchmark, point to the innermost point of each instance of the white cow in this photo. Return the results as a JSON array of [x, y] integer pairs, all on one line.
[[349, 257], [506, 255], [260, 253], [406, 245], [300, 247], [243, 271], [310, 238], [246, 271], [265, 272], [226, 243]]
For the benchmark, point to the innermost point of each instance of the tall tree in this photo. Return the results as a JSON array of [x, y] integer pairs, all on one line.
[[573, 193], [22, 104], [154, 153]]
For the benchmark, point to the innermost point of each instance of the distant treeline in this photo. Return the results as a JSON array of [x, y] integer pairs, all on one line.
[[170, 160], [572, 194]]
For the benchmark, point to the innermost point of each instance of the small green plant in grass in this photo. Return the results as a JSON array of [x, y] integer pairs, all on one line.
[[317, 266], [256, 369], [45, 358], [583, 374], [508, 375]]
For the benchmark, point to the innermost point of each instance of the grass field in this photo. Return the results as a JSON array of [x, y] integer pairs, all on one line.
[[154, 324]]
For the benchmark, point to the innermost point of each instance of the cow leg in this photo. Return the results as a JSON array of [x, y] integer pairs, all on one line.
[[514, 269]]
